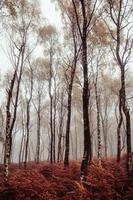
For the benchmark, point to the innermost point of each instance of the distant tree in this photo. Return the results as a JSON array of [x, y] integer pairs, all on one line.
[[29, 94], [61, 118], [40, 72], [49, 39], [120, 13], [97, 98], [18, 33]]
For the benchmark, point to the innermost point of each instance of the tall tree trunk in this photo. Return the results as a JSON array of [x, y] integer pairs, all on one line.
[[104, 120], [21, 62], [69, 102], [51, 105], [8, 140], [119, 16], [122, 96], [28, 102], [119, 128], [27, 134], [66, 159], [20, 151], [60, 128], [54, 121], [97, 98], [70, 87], [9, 123], [86, 93], [51, 129], [22, 140], [38, 131], [87, 136], [7, 145], [127, 116], [99, 153]]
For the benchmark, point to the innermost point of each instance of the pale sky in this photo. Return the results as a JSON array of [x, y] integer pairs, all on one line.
[[49, 11]]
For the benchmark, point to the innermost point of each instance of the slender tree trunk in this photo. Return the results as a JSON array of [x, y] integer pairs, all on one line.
[[87, 136], [38, 132], [99, 153], [51, 129], [54, 122], [51, 106], [119, 129], [104, 120], [119, 15], [23, 149], [63, 146], [21, 61], [60, 127], [122, 97], [8, 136], [86, 93], [66, 159], [128, 124], [22, 141], [27, 134], [97, 98], [70, 88], [9, 124], [28, 118], [7, 148], [20, 152]]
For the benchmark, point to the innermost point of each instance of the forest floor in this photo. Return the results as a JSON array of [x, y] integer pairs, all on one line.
[[46, 182]]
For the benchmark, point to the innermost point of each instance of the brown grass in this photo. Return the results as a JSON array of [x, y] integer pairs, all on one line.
[[46, 182]]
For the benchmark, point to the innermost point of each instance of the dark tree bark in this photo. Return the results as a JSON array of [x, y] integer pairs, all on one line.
[[10, 123], [27, 132], [22, 140], [70, 88], [86, 23], [122, 53], [66, 159], [86, 93], [128, 123], [28, 105], [8, 137], [38, 129], [22, 50], [97, 97], [119, 129]]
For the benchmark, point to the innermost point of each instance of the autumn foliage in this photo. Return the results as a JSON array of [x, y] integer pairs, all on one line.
[[50, 182]]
